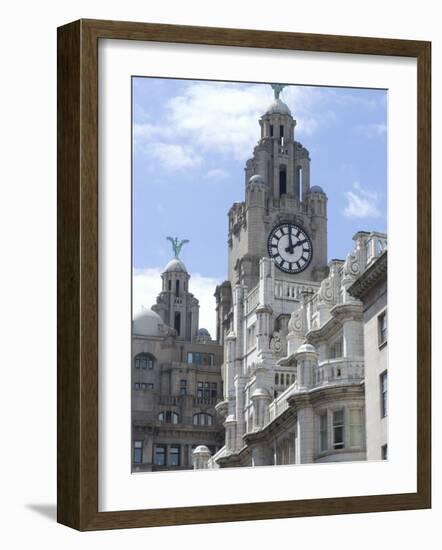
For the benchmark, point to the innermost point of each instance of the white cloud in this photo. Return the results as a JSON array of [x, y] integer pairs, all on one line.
[[218, 117], [147, 286], [217, 174], [173, 156], [361, 203], [143, 133]]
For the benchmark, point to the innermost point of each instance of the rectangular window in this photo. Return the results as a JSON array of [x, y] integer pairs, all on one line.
[[138, 452], [338, 429], [323, 432], [382, 328], [384, 452], [335, 349], [175, 455], [137, 386], [160, 455], [189, 357], [214, 391], [183, 387], [251, 340], [355, 425], [206, 359], [199, 391], [143, 363], [384, 394], [197, 358]]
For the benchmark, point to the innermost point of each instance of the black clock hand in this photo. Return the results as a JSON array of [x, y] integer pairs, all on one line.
[[300, 242], [290, 246]]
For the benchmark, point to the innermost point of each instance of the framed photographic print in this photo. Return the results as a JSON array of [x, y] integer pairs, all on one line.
[[244, 275]]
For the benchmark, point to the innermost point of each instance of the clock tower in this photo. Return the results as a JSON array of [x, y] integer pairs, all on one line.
[[282, 216]]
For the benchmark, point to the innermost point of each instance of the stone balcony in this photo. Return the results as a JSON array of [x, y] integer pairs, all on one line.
[[281, 404], [341, 370], [292, 291], [328, 373]]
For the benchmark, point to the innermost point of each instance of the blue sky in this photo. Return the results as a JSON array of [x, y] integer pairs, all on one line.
[[191, 140]]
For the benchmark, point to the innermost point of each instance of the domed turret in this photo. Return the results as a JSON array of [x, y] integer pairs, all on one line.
[[203, 336], [147, 323], [176, 305], [257, 179], [316, 189]]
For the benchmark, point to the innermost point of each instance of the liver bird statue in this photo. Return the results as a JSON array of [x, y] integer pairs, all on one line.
[[177, 245]]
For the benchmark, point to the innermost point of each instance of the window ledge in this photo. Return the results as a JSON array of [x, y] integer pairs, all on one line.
[[383, 344]]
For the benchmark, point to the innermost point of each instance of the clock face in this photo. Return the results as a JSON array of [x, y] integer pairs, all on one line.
[[290, 247]]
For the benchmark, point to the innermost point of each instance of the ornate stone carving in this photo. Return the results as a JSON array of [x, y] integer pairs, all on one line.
[[352, 265], [296, 323], [275, 343]]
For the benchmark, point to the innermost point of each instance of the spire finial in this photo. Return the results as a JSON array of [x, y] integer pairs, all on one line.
[[277, 89], [177, 245]]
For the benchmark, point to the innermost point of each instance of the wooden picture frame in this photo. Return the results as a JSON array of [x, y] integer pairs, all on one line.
[[77, 225]]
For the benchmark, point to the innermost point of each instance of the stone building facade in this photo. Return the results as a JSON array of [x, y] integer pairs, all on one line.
[[371, 289], [293, 334], [176, 379]]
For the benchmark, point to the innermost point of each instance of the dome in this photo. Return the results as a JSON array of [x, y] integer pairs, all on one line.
[[175, 265], [316, 189], [147, 323], [256, 179], [203, 335], [278, 107]]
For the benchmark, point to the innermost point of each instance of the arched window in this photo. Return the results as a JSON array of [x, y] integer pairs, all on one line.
[[177, 287], [203, 419], [169, 417], [144, 361], [169, 286], [282, 180]]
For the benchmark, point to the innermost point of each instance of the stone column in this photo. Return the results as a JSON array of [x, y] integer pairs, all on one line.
[[307, 359], [201, 456], [305, 435], [240, 382], [230, 351], [262, 455], [263, 316], [261, 401], [230, 427], [353, 336]]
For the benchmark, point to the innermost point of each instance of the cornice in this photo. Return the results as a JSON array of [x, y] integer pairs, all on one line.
[[374, 274]]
